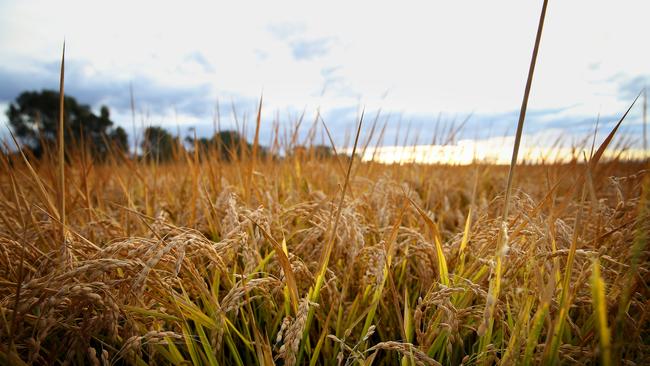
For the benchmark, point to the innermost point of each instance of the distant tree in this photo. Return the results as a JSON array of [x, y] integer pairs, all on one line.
[[231, 144], [34, 118], [228, 144], [158, 144], [318, 151], [323, 151], [119, 139]]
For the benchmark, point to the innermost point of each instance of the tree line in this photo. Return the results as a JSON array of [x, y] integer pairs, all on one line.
[[34, 120]]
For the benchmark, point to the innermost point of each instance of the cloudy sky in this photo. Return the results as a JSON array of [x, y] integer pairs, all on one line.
[[417, 61]]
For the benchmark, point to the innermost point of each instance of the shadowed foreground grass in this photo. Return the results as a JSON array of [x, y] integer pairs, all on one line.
[[209, 262]]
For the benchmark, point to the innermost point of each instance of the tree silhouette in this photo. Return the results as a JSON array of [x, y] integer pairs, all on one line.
[[34, 118], [228, 144], [119, 139], [158, 144]]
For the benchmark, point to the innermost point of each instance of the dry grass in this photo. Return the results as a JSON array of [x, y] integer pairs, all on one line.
[[185, 262], [297, 260]]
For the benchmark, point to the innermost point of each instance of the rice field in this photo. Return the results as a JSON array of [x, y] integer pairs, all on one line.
[[322, 260], [304, 258]]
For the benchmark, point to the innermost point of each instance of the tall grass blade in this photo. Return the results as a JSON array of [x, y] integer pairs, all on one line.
[[485, 330], [599, 302], [61, 143]]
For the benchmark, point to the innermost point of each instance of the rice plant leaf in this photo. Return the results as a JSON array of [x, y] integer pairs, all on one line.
[[284, 263], [601, 149], [599, 302], [442, 262], [61, 143]]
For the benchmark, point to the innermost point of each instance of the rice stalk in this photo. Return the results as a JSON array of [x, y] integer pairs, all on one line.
[[485, 330]]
